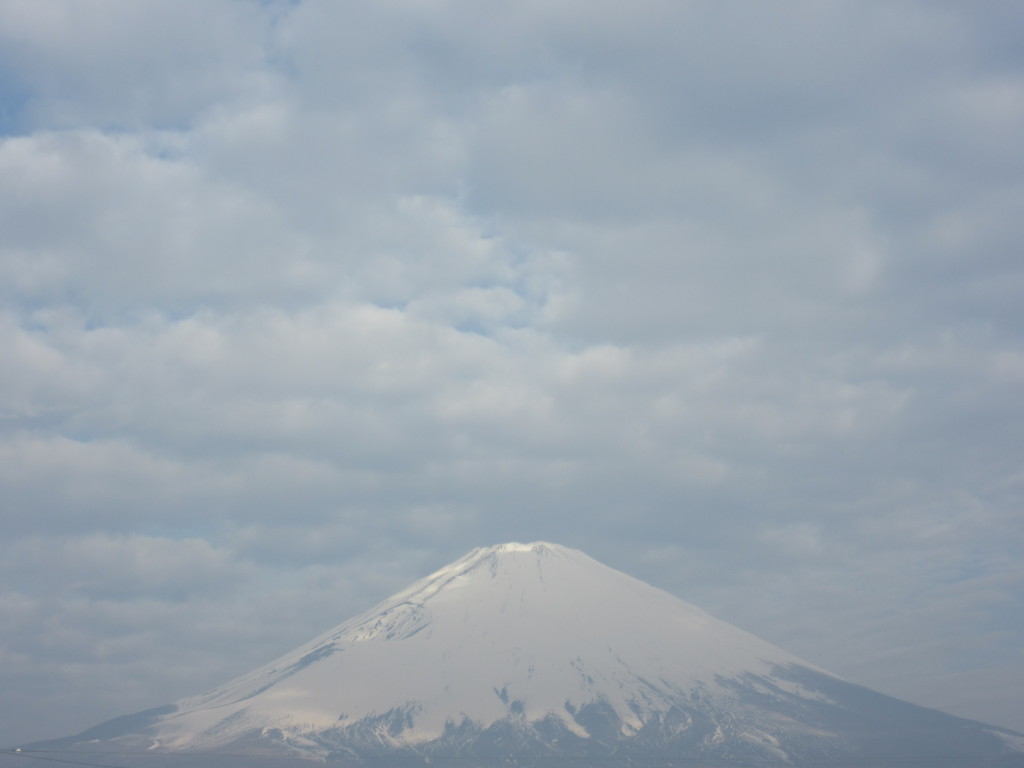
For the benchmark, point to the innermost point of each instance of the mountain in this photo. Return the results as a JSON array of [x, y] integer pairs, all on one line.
[[536, 654]]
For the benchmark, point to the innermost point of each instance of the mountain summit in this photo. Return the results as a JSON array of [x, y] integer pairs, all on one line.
[[535, 651]]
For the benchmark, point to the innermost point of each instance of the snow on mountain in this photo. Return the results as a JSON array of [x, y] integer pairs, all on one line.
[[523, 650], [526, 629]]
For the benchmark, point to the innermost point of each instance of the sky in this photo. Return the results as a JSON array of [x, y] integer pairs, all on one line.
[[300, 301]]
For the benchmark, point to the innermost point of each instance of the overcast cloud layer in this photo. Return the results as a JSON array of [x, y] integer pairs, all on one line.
[[302, 300]]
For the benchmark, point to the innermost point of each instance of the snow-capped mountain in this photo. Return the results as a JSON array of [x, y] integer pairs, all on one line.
[[536, 651]]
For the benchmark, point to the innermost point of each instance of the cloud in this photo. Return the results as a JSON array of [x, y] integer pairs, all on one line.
[[122, 566], [121, 66]]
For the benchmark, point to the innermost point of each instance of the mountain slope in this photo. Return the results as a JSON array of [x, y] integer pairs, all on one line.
[[536, 651]]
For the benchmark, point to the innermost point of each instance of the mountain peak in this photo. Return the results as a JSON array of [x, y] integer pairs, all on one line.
[[537, 547], [538, 631], [526, 650], [513, 549]]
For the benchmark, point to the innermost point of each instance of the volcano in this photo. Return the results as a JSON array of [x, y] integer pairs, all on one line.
[[536, 654]]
